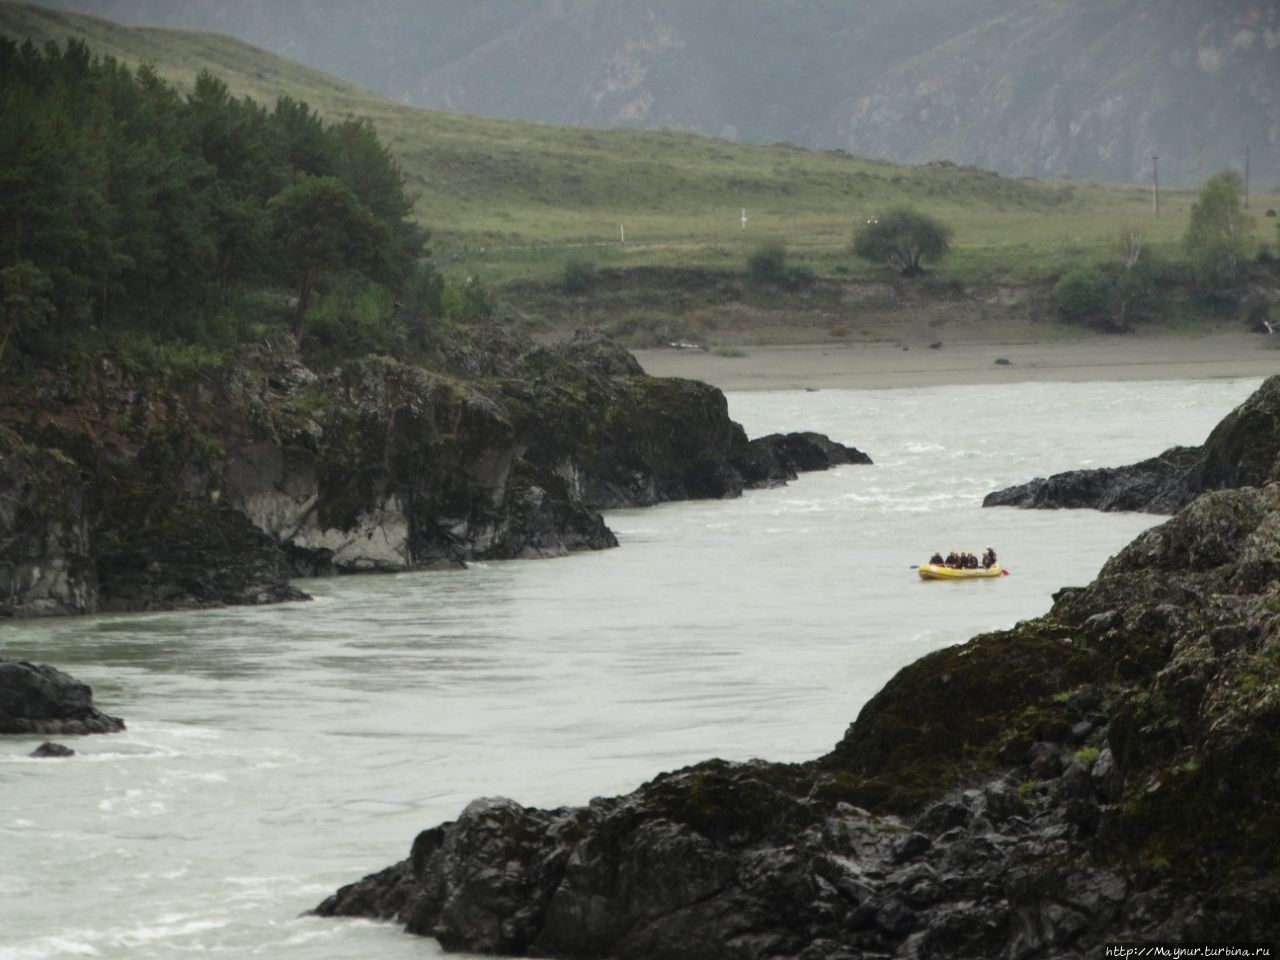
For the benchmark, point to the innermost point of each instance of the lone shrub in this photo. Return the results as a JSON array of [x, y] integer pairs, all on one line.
[[1083, 295], [579, 276], [767, 264], [903, 239]]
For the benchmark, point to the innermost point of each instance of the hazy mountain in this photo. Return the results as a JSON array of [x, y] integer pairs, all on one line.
[[1082, 88]]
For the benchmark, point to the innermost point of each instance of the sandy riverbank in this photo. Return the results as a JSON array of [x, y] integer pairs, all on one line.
[[883, 365]]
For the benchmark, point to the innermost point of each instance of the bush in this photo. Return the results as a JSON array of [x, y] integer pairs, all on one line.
[[767, 265], [904, 239], [468, 300], [1083, 294], [579, 276]]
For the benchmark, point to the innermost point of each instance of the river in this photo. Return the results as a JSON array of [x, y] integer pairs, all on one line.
[[276, 753]]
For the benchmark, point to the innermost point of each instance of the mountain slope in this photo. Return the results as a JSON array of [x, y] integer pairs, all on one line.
[[488, 185], [1027, 87], [1089, 90]]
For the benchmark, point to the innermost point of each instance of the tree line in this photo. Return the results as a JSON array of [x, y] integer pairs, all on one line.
[[133, 210]]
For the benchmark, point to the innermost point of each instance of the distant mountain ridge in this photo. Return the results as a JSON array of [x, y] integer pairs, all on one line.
[[1089, 89]]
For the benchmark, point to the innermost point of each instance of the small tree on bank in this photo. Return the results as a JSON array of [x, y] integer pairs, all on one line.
[[1216, 237], [321, 226], [903, 239]]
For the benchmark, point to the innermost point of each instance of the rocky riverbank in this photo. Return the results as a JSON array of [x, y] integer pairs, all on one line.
[[128, 490], [1243, 450], [1103, 773]]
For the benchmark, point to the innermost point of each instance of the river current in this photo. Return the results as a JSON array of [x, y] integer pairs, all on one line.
[[276, 753]]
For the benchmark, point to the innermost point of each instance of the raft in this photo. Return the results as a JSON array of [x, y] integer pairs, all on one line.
[[936, 571]]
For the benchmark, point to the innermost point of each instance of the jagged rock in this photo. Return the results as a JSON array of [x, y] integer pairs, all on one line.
[[1242, 450], [38, 698], [1157, 485], [1106, 769], [805, 451]]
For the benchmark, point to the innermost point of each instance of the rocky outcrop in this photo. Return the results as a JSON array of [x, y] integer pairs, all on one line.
[[38, 698], [1102, 773], [1157, 485], [126, 492], [1242, 450], [45, 565]]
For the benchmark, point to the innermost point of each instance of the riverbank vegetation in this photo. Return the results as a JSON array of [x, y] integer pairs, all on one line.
[[135, 211], [555, 227]]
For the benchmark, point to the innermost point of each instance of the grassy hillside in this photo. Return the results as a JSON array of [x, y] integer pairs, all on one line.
[[509, 200], [1049, 88]]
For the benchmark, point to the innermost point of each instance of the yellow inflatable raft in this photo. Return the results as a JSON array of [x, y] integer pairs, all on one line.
[[936, 571]]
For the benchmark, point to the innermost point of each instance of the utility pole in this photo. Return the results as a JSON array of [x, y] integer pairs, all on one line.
[[1246, 176], [1155, 184]]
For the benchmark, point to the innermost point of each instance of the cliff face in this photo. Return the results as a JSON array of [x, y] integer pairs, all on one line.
[[1242, 450], [124, 491], [1103, 773]]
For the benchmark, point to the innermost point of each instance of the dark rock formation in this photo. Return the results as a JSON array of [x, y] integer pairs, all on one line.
[[1242, 450], [123, 491], [45, 567], [50, 750], [1157, 485], [38, 698], [802, 452], [1103, 773]]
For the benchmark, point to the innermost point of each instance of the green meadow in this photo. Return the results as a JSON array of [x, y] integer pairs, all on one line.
[[510, 201]]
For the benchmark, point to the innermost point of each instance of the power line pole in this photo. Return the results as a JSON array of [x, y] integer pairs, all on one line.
[[1246, 176], [1155, 184]]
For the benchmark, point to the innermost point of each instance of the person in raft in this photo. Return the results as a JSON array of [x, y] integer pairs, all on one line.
[[988, 558], [936, 559]]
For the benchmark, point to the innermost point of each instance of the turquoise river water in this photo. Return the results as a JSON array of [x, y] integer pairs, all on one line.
[[276, 753]]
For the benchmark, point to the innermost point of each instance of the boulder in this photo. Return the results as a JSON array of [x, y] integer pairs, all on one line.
[[38, 698], [50, 750]]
